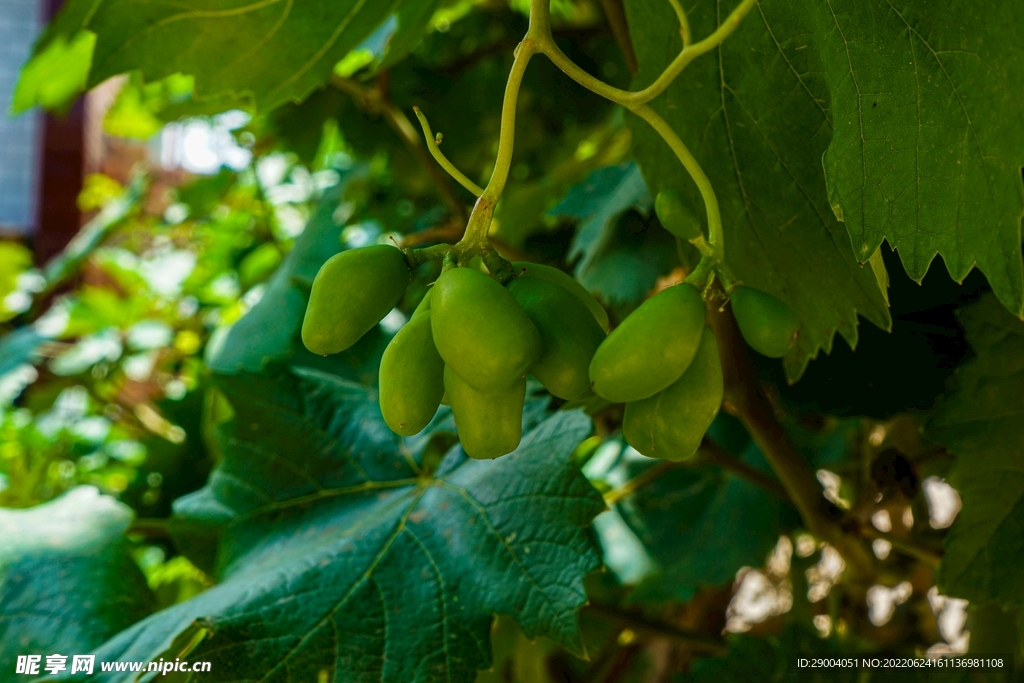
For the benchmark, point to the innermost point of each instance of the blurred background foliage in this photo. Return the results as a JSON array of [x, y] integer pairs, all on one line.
[[109, 352]]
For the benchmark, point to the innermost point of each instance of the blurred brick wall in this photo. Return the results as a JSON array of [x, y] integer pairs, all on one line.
[[20, 22]]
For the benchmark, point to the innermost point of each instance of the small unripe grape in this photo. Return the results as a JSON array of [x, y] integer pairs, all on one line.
[[489, 423], [569, 335], [351, 293], [675, 216], [671, 423], [651, 348], [566, 282], [480, 331], [411, 377], [769, 325]]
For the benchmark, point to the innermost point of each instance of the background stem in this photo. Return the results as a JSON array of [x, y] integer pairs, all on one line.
[[710, 453], [615, 13], [745, 398]]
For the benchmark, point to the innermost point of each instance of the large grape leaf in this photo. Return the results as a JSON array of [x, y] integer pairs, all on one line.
[[336, 555], [272, 51], [982, 422], [759, 129], [927, 110], [67, 580], [916, 111]]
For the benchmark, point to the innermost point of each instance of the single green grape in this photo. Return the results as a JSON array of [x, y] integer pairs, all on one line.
[[351, 293], [651, 348], [769, 325], [569, 335], [565, 281], [480, 331], [489, 423], [411, 377], [671, 424], [675, 216]]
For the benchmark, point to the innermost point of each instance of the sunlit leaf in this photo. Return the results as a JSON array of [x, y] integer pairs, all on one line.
[[67, 581]]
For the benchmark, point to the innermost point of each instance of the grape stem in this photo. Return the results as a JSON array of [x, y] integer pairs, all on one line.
[[539, 40], [709, 453], [439, 156], [746, 399], [636, 622]]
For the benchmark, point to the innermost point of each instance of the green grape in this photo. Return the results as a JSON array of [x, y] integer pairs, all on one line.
[[489, 423], [480, 331], [351, 293], [567, 282], [424, 304], [569, 335], [675, 216], [770, 326], [651, 348], [411, 377], [671, 424]]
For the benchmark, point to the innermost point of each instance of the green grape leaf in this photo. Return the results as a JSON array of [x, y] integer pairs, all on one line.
[[596, 203], [18, 347], [336, 556], [67, 580], [755, 116], [982, 422], [56, 74], [271, 52], [413, 18], [927, 113]]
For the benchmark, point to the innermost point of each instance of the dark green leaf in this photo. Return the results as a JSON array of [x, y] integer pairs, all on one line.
[[336, 556], [413, 19], [67, 581], [596, 203], [927, 123], [273, 52], [628, 269], [755, 115], [982, 422]]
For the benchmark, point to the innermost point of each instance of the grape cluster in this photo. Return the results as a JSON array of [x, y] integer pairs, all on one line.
[[472, 341]]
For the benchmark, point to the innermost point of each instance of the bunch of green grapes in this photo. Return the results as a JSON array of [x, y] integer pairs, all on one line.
[[472, 341]]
